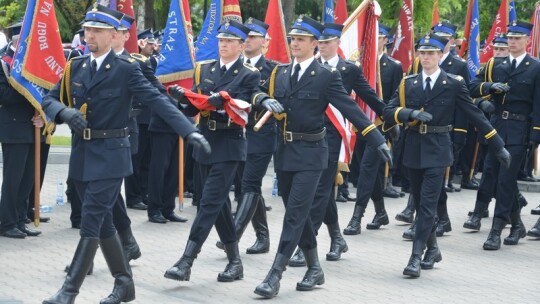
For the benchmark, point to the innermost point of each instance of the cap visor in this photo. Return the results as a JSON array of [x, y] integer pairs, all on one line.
[[299, 32], [428, 48], [97, 24], [228, 36]]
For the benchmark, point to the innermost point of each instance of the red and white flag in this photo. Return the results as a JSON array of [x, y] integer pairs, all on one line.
[[278, 48], [499, 26], [534, 43], [238, 110], [404, 36]]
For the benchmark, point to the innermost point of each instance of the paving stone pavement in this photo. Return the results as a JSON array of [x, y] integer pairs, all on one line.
[[370, 272]]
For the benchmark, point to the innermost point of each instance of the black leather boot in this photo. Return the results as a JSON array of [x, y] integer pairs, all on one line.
[[181, 270], [90, 270], [493, 241], [234, 270], [413, 266], [269, 288], [262, 245], [244, 214], [480, 211], [433, 253], [314, 275], [354, 226], [407, 215], [381, 217], [84, 255], [297, 260], [536, 211], [410, 232], [517, 231], [129, 244], [337, 243], [124, 288], [444, 225], [535, 230]]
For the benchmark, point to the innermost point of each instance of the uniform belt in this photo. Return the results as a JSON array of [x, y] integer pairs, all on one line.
[[89, 134], [213, 125], [513, 116], [424, 129], [134, 113], [291, 136]]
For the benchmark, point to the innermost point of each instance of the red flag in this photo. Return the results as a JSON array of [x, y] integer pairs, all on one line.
[[534, 42], [238, 110], [435, 15], [231, 10], [404, 36], [340, 12], [44, 61], [126, 7], [278, 48], [467, 32], [499, 26]]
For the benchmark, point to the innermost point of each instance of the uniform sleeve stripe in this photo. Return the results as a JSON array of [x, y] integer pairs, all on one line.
[[536, 128], [368, 129], [254, 99], [490, 134], [396, 114], [460, 130], [481, 86]]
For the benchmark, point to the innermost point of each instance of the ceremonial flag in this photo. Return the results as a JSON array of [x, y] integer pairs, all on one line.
[[206, 46], [39, 59], [499, 26], [404, 36], [512, 15], [278, 47], [176, 62], [534, 42], [126, 7], [473, 60], [328, 12], [341, 13], [467, 31], [238, 110], [435, 14]]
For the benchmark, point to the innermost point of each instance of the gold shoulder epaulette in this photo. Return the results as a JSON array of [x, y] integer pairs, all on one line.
[[459, 78], [139, 57]]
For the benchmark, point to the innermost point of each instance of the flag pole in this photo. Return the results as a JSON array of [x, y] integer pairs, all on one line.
[[181, 173], [37, 170]]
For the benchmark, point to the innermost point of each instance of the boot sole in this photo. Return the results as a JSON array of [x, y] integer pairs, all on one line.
[[225, 279], [300, 287], [265, 295], [372, 226], [176, 278], [491, 247], [349, 232], [135, 256], [297, 264], [430, 266], [411, 273], [404, 219], [257, 251], [467, 226], [511, 242], [336, 258], [532, 234]]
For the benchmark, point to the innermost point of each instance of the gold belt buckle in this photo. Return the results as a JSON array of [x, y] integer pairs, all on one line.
[[211, 125], [288, 136], [423, 129], [87, 134]]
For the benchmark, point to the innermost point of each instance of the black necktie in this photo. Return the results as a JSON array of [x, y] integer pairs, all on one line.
[[294, 77], [248, 61], [223, 70], [513, 65], [427, 90], [93, 70], [326, 63]]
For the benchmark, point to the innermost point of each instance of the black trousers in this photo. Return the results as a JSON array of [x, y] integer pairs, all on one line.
[[76, 204], [370, 181], [163, 173], [17, 183], [297, 191], [98, 199], [136, 185], [44, 156], [501, 181], [213, 208], [426, 185], [120, 218], [254, 171]]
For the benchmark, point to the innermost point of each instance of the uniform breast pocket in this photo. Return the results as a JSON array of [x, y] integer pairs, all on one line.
[[308, 95], [77, 95], [440, 102], [521, 85], [279, 93], [110, 94]]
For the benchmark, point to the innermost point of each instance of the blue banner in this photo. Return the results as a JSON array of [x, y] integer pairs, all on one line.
[[206, 46], [328, 13], [176, 60], [473, 61], [512, 15]]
